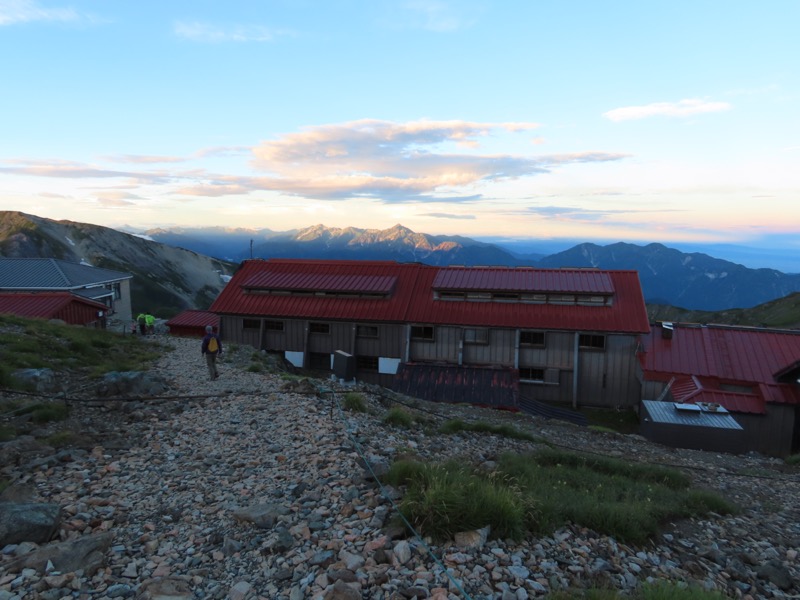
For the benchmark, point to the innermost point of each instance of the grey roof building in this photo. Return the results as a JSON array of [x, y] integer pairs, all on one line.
[[112, 288]]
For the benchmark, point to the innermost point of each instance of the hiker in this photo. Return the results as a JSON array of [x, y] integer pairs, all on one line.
[[142, 321], [212, 347], [150, 321]]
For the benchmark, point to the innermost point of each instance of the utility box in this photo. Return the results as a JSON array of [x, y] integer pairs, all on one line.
[[344, 366]]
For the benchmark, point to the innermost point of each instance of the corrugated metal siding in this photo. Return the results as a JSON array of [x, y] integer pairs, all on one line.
[[665, 412], [445, 383], [770, 434]]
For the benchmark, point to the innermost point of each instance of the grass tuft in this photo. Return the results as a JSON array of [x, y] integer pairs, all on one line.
[[542, 491], [399, 418], [355, 402]]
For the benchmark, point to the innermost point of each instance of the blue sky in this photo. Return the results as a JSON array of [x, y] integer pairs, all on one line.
[[676, 122]]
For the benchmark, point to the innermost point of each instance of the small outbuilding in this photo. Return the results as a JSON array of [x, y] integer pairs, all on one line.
[[64, 306], [192, 323], [697, 426]]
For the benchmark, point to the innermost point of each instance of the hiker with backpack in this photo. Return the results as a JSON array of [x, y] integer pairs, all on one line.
[[212, 347]]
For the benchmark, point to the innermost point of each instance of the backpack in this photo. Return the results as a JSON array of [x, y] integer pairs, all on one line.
[[213, 346]]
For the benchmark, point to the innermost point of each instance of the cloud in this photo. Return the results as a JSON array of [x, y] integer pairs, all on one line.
[[683, 108], [397, 162], [223, 151], [26, 11], [144, 160], [437, 215], [203, 32], [416, 161], [440, 16], [75, 170]]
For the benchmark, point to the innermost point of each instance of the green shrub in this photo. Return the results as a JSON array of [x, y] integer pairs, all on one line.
[[354, 401], [794, 459], [626, 500], [255, 368], [399, 418], [61, 439], [441, 500], [45, 413], [7, 433]]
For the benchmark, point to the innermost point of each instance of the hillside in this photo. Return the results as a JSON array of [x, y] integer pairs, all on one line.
[[783, 313], [256, 485], [166, 279], [695, 281]]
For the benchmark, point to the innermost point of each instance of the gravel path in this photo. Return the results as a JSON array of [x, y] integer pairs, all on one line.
[[257, 490]]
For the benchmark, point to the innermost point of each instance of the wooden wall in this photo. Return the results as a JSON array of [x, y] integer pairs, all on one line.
[[606, 377]]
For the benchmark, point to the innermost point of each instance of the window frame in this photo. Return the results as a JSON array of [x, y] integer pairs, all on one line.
[[367, 331], [530, 371], [319, 328], [588, 341], [247, 325], [533, 344], [422, 333]]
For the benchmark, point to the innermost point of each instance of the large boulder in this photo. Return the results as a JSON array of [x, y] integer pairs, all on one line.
[[28, 522], [21, 450], [125, 384], [85, 553], [41, 381]]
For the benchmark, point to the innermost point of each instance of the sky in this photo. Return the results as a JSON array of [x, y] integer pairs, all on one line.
[[674, 122]]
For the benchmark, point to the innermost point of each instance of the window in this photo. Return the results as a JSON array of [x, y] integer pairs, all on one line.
[[476, 336], [505, 297], [534, 298], [531, 374], [562, 299], [422, 332], [592, 342], [479, 296], [117, 291], [251, 324], [324, 328], [273, 325], [367, 363], [451, 295], [370, 331], [531, 338]]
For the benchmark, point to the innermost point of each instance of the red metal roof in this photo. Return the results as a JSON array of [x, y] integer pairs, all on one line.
[[718, 355], [41, 305], [194, 318], [692, 390], [569, 281], [412, 299]]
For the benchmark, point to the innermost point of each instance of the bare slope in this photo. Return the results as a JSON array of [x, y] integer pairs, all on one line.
[[166, 279]]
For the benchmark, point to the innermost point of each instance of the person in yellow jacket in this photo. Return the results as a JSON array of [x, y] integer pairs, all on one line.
[[211, 348], [141, 320], [150, 320]]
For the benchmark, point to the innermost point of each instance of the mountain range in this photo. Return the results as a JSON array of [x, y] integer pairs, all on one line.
[[694, 281], [172, 270]]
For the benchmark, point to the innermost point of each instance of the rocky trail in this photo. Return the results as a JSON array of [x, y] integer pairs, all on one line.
[[254, 487]]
